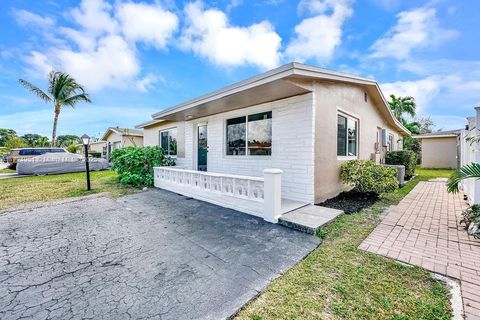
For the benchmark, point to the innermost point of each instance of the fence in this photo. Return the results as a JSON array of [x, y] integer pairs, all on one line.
[[259, 196]]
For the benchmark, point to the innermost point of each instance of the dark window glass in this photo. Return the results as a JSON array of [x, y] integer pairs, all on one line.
[[341, 136], [260, 134], [352, 137], [236, 132], [168, 141]]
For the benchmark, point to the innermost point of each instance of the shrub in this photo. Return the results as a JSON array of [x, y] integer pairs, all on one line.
[[366, 177], [73, 148], [405, 158], [135, 164]]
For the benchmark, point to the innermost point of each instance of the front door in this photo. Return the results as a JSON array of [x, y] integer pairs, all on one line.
[[202, 144]]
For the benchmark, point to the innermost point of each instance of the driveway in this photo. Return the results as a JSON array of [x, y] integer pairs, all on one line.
[[153, 255]]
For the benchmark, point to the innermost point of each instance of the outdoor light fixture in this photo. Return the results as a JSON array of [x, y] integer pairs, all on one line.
[[86, 140]]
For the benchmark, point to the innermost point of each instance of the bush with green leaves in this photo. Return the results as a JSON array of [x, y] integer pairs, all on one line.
[[365, 176], [405, 158], [135, 164], [73, 148]]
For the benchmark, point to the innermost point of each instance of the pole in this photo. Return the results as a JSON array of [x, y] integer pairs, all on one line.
[[87, 167]]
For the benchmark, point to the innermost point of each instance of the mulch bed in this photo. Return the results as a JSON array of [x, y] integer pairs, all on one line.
[[350, 201]]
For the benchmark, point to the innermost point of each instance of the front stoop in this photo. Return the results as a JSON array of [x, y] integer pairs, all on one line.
[[309, 219]]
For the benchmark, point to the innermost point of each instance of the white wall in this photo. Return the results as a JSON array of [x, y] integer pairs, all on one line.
[[292, 146]]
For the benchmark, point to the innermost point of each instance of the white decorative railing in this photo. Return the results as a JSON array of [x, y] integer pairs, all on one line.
[[243, 193]]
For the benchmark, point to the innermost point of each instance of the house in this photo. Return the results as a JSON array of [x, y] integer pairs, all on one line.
[[300, 119], [98, 147], [116, 137], [440, 149]]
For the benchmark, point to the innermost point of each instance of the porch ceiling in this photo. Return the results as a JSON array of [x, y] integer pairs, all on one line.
[[271, 91]]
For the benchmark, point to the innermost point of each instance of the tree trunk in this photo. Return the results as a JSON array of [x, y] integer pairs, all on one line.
[[55, 121]]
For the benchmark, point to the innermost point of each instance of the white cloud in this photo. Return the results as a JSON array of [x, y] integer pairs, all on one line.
[[418, 28], [147, 83], [112, 64], [448, 122], [39, 63], [423, 90], [101, 50], [24, 18], [148, 23], [94, 17], [317, 37], [209, 34]]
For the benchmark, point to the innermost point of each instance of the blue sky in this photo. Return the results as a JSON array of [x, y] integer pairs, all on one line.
[[136, 58]]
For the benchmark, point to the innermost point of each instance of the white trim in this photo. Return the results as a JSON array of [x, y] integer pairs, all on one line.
[[357, 146], [436, 136]]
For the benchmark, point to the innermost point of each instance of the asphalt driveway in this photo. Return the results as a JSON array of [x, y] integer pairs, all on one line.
[[154, 255]]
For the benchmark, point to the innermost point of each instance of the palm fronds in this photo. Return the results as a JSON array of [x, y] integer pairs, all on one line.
[[37, 91], [471, 170]]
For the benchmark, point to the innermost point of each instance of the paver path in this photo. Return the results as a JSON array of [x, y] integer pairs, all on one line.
[[155, 255], [423, 230]]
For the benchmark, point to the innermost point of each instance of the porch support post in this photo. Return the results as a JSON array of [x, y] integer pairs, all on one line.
[[476, 157], [272, 194]]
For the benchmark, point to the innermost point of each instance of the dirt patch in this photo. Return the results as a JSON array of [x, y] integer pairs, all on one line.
[[350, 201]]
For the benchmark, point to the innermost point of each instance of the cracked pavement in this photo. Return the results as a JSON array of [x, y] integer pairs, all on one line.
[[151, 255]]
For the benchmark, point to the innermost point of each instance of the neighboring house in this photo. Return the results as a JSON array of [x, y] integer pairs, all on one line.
[[117, 137], [303, 120], [440, 149], [96, 146]]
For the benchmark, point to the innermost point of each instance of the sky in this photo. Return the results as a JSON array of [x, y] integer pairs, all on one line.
[[137, 58]]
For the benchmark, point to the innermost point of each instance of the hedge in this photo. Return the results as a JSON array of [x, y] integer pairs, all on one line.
[[365, 176], [135, 164], [406, 158]]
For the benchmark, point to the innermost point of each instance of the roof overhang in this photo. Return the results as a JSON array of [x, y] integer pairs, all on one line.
[[272, 85], [436, 136]]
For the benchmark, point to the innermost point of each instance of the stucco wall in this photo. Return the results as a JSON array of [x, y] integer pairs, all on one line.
[[132, 141], [292, 145], [439, 152], [330, 99], [114, 137]]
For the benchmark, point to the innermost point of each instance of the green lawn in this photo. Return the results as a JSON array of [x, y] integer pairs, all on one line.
[[338, 281], [6, 170], [16, 191]]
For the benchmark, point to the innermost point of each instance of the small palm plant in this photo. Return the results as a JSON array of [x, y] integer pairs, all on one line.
[[62, 91], [471, 170]]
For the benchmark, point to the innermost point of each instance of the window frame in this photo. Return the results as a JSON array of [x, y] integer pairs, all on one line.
[[168, 138], [246, 155], [357, 138], [390, 141]]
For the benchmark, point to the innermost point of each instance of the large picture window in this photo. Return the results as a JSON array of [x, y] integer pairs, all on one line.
[[168, 141], [347, 136], [250, 135]]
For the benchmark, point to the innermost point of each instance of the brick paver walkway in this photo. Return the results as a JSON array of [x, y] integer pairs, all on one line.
[[423, 230]]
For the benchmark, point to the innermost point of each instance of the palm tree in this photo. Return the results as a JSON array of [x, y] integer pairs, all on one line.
[[63, 90], [402, 105], [471, 170]]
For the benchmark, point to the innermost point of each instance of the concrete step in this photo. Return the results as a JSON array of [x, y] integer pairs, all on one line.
[[309, 219]]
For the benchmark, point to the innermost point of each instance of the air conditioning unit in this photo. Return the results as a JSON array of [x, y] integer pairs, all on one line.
[[376, 157]]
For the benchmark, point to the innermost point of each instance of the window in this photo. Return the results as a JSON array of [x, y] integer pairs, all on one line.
[[168, 141], [251, 134], [347, 136], [390, 142]]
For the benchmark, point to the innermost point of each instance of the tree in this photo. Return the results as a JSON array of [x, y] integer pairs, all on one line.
[[67, 140], [5, 134], [62, 91], [15, 142], [471, 170], [35, 140], [402, 105]]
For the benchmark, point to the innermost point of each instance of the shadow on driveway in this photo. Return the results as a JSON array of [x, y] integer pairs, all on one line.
[[154, 254]]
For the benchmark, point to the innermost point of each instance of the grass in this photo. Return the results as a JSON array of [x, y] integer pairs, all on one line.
[[39, 188], [6, 170], [338, 281]]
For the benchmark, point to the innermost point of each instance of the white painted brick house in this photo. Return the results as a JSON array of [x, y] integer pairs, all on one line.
[[300, 119]]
